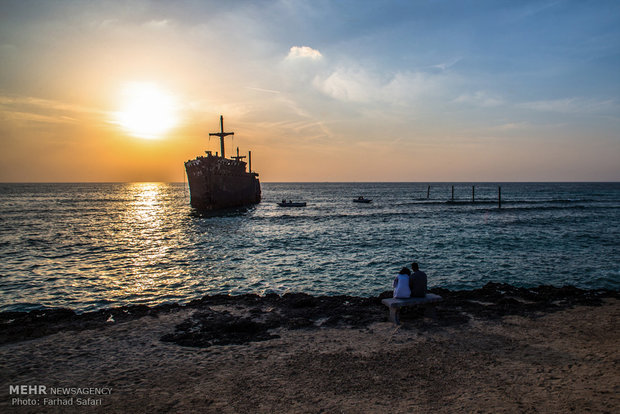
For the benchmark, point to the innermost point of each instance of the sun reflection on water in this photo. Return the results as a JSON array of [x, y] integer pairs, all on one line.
[[147, 248]]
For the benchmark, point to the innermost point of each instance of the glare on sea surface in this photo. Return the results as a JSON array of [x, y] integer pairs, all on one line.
[[144, 240], [147, 111]]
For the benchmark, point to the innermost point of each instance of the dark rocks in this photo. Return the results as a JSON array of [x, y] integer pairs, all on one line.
[[495, 300], [19, 326], [251, 317], [207, 328], [299, 300], [25, 325], [290, 311]]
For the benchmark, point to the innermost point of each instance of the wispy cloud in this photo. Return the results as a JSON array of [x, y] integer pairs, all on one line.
[[446, 65], [572, 106], [512, 126], [349, 85], [262, 89], [479, 98], [44, 110], [356, 84], [537, 8], [157, 24]]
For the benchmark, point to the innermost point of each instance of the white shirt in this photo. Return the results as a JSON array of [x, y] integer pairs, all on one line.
[[401, 288]]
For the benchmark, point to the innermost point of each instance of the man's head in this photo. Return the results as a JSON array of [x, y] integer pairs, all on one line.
[[415, 267]]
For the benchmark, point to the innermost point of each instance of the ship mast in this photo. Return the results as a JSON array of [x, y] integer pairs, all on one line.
[[238, 157], [221, 134]]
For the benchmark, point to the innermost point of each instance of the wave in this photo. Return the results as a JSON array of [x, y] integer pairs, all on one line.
[[93, 200], [400, 212]]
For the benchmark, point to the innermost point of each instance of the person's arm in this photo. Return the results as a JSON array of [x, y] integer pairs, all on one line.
[[395, 282]]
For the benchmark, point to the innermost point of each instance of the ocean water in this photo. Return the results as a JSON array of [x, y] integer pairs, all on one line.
[[89, 246]]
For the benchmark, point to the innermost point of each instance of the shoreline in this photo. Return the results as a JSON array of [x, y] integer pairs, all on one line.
[[494, 349], [301, 310]]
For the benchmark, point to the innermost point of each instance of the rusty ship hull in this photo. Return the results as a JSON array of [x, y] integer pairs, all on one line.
[[219, 183], [216, 182]]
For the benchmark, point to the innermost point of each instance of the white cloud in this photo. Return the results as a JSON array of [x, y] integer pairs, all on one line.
[[405, 87], [446, 65], [362, 86], [253, 88], [304, 52], [480, 98], [349, 85], [157, 24]]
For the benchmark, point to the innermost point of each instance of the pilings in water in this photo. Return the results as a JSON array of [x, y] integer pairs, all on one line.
[[499, 196], [473, 195], [428, 192]]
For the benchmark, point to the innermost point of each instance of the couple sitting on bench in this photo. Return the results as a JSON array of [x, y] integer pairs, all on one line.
[[410, 284], [410, 290]]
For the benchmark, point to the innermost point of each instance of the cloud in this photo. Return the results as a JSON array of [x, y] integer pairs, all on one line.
[[446, 65], [304, 52], [349, 85], [572, 106], [157, 24], [480, 98], [262, 89], [512, 126], [408, 86], [359, 85], [43, 110]]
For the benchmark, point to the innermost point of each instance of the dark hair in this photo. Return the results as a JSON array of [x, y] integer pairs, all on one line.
[[414, 266], [404, 271]]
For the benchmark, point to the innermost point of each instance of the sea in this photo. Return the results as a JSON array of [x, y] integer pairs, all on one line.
[[88, 246]]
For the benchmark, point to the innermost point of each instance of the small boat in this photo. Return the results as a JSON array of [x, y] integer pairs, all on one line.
[[289, 203], [361, 199]]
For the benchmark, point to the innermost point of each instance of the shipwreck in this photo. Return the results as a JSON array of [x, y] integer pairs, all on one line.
[[216, 182]]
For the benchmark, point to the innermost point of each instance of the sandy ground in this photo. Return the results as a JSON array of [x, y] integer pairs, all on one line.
[[558, 362]]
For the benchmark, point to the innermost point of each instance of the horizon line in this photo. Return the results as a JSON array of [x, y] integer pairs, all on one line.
[[329, 182]]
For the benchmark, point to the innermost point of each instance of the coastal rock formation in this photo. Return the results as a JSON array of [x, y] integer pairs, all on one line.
[[223, 319]]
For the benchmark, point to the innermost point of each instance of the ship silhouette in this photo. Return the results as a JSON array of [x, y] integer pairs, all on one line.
[[216, 182]]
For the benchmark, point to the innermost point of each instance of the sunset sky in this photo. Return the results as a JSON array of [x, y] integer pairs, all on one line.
[[317, 90]]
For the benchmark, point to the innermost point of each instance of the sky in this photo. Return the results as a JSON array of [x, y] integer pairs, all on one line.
[[454, 91]]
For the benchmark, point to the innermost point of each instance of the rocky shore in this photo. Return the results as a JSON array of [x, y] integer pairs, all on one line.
[[300, 311], [495, 349]]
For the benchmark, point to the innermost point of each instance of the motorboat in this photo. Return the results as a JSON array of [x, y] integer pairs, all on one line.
[[290, 203]]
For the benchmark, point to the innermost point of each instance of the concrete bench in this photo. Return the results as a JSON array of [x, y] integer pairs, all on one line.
[[428, 302]]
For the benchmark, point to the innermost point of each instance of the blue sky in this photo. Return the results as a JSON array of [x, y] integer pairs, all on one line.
[[320, 90]]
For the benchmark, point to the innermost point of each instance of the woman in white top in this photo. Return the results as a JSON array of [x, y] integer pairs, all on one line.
[[401, 284]]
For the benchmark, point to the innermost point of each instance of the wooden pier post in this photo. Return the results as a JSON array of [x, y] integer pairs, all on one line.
[[428, 192], [473, 193], [250, 161], [452, 193], [499, 196]]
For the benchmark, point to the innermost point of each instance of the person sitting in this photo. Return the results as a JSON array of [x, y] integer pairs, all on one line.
[[417, 282], [401, 284]]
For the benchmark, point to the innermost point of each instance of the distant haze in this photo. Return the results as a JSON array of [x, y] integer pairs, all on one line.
[[317, 90]]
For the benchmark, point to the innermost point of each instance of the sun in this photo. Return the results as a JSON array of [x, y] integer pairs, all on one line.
[[147, 111]]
